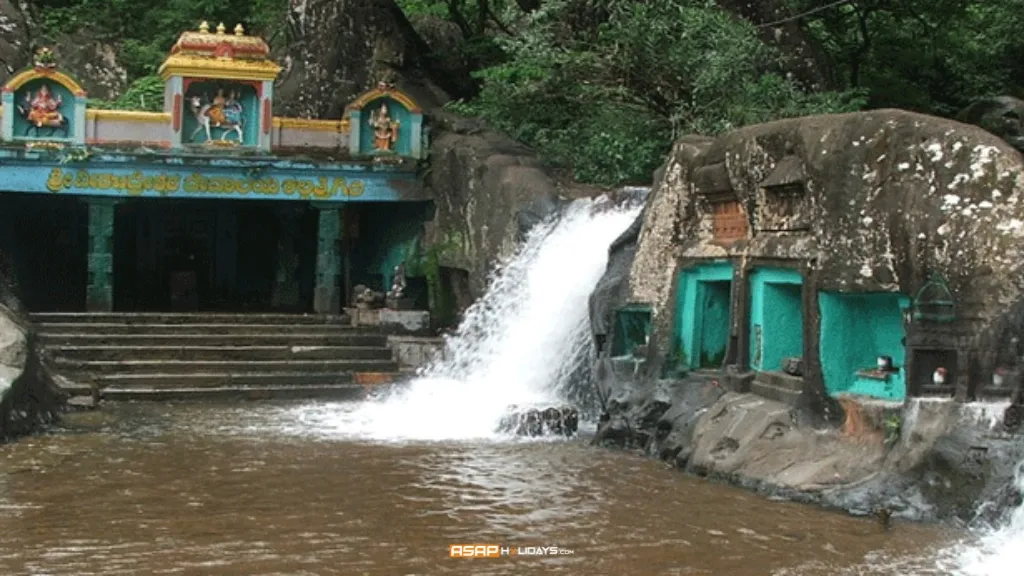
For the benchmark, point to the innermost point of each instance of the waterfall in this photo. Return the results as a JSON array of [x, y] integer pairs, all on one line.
[[999, 552], [519, 344]]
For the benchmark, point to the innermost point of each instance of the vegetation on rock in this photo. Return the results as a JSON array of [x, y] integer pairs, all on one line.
[[602, 86]]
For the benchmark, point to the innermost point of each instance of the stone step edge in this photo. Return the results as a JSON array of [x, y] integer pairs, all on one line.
[[226, 348], [72, 317], [84, 364], [779, 380], [101, 326], [775, 393], [338, 392]]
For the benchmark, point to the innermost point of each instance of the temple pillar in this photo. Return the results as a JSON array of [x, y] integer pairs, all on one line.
[[286, 282], [327, 294], [99, 293]]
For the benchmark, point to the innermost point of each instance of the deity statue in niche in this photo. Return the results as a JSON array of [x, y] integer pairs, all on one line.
[[43, 110], [222, 111], [385, 129]]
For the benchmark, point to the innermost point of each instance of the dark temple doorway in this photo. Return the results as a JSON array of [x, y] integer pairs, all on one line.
[[44, 241], [213, 256]]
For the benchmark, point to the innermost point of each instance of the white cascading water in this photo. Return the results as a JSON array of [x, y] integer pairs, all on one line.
[[997, 553], [515, 345]]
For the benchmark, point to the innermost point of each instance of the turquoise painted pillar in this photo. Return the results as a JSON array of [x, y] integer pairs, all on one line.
[[327, 294], [174, 104], [355, 131], [416, 143], [266, 116], [78, 135], [99, 294], [7, 120]]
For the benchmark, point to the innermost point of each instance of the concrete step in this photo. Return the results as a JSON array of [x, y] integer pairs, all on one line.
[[273, 338], [186, 318], [113, 328], [775, 393], [330, 392], [142, 367], [780, 380], [236, 379], [89, 353]]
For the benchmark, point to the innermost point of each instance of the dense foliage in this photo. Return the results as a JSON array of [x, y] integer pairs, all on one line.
[[603, 86]]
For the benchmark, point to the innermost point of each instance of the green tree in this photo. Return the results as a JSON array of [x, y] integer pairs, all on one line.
[[608, 101]]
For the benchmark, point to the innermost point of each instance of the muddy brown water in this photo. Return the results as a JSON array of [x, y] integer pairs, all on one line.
[[259, 490]]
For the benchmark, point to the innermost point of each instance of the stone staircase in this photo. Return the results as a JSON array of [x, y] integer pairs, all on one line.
[[136, 356], [778, 386]]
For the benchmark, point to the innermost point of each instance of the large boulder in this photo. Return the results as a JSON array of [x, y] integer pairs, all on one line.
[[890, 199], [877, 202], [488, 190], [29, 398]]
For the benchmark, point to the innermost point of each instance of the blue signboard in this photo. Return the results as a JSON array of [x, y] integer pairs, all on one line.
[[221, 180]]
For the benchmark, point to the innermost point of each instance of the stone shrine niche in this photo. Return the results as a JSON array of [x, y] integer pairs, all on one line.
[[385, 122], [782, 204], [729, 222], [221, 112], [43, 103]]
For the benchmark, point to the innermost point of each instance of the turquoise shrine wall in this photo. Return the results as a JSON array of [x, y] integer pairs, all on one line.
[[703, 310], [855, 330], [776, 314]]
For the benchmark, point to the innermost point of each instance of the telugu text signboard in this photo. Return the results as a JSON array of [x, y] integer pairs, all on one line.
[[190, 182]]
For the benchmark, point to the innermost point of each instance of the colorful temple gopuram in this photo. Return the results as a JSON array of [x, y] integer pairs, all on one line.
[[213, 204]]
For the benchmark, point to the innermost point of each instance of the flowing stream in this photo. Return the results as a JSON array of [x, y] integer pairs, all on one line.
[[385, 487]]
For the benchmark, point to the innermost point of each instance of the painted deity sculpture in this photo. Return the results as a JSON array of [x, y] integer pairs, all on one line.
[[220, 112], [385, 130], [43, 109]]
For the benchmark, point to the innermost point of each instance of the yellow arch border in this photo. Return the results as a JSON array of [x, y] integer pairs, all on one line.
[[376, 93], [26, 76]]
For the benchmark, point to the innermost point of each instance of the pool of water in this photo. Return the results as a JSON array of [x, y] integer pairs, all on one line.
[[268, 489]]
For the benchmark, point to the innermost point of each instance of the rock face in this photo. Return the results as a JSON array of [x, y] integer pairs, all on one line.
[[92, 64], [14, 40], [1000, 115], [342, 48], [489, 190]]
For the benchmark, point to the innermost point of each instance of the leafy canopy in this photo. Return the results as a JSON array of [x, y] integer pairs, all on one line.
[[608, 103]]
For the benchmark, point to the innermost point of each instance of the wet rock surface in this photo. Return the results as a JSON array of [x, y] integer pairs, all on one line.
[[947, 461], [540, 421]]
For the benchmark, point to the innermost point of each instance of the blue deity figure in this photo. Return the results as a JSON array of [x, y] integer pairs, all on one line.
[[233, 109]]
